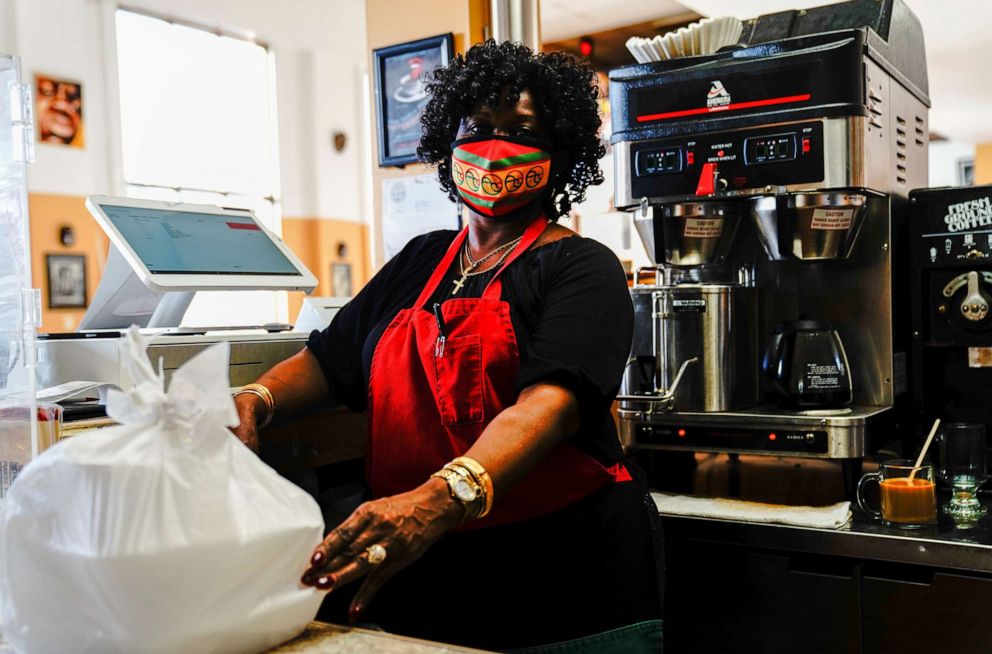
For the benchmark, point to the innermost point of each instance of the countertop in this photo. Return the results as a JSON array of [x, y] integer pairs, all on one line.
[[321, 637], [944, 545]]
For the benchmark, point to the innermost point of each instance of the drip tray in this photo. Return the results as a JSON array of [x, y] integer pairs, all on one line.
[[826, 413]]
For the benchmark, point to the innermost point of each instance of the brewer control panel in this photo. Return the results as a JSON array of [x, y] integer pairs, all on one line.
[[742, 159], [739, 439]]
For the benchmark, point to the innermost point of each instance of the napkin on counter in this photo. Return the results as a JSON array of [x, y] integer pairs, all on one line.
[[834, 516]]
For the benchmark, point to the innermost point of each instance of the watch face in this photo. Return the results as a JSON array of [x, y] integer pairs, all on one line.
[[464, 491]]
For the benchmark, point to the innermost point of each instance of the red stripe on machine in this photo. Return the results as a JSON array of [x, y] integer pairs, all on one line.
[[244, 226], [736, 106]]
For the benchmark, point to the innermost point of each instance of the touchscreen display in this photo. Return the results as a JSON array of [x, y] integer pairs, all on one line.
[[183, 242]]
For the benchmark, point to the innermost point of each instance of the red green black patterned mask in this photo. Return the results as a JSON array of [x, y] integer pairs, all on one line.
[[495, 175]]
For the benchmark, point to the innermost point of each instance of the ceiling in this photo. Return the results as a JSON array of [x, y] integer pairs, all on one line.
[[958, 44]]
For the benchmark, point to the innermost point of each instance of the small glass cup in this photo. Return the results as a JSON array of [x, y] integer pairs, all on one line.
[[963, 467], [908, 494]]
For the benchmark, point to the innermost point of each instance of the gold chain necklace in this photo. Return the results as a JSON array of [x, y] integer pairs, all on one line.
[[469, 271]]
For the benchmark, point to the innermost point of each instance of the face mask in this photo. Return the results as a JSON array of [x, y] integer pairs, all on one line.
[[495, 175]]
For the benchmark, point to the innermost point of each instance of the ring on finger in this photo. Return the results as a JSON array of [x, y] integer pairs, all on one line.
[[375, 554]]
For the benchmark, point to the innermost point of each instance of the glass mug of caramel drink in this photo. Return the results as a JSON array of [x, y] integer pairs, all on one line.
[[908, 494]]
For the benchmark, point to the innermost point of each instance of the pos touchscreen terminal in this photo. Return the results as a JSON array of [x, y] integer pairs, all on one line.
[[162, 253]]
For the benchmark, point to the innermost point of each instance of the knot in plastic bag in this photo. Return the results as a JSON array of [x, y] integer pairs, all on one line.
[[199, 390]]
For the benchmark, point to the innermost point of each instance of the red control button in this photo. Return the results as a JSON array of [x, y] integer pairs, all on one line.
[[719, 153], [806, 146], [690, 158], [707, 180]]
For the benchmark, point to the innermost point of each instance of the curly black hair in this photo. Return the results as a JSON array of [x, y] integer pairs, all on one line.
[[564, 90]]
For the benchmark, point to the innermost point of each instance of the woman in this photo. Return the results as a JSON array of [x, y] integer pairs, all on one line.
[[504, 515]]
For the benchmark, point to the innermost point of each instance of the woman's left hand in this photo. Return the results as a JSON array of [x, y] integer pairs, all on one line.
[[405, 525]]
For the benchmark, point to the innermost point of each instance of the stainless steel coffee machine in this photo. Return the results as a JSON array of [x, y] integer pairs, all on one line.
[[768, 183]]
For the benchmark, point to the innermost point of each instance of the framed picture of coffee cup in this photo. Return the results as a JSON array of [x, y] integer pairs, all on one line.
[[401, 94], [66, 281]]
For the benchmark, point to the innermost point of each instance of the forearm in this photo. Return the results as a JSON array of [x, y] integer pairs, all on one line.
[[296, 384], [523, 434]]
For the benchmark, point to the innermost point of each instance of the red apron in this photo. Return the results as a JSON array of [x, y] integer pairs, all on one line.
[[427, 406]]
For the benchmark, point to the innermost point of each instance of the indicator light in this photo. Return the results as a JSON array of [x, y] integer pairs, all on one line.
[[772, 436], [585, 46], [806, 146], [719, 153], [690, 158], [681, 433]]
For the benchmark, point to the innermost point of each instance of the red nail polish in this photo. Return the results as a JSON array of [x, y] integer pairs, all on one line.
[[317, 558]]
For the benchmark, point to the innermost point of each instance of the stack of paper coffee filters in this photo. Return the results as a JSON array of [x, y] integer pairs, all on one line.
[[703, 37]]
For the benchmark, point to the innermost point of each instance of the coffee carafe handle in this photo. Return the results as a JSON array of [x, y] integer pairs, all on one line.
[[775, 372]]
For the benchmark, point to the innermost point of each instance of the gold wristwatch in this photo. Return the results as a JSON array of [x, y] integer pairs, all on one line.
[[464, 490]]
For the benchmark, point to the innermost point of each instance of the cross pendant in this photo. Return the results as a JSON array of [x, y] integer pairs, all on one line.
[[458, 284]]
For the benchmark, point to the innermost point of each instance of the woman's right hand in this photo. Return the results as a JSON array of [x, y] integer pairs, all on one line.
[[247, 430]]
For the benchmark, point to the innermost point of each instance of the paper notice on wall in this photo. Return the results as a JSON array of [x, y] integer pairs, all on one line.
[[703, 228], [412, 206], [832, 219]]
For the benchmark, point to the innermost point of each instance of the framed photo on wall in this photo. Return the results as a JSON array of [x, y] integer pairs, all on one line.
[[966, 171], [401, 95], [66, 281], [341, 280]]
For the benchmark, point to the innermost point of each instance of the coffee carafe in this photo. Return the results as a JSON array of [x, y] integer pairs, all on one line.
[[805, 366]]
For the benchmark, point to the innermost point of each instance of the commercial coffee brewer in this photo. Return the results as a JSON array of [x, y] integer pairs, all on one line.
[[951, 237], [769, 185]]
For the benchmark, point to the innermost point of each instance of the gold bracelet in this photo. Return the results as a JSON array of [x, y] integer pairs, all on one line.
[[261, 391], [481, 477]]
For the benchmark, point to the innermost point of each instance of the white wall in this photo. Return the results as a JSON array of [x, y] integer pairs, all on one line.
[[320, 54], [63, 38]]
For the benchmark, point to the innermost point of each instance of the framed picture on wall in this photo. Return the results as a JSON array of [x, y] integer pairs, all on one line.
[[966, 172], [401, 94], [341, 280], [58, 111], [66, 281]]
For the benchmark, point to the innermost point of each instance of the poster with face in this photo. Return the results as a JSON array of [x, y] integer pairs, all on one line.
[[59, 111]]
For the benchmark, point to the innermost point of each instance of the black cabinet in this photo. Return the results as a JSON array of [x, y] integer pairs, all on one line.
[[724, 598], [721, 599], [910, 610]]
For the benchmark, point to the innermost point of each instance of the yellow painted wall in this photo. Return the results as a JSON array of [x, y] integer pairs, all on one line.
[[389, 22], [314, 240], [983, 163], [48, 214]]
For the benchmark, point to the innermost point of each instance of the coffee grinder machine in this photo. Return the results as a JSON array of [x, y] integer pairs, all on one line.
[[769, 183], [951, 237]]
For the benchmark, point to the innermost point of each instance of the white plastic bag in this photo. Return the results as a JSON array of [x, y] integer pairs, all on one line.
[[164, 534]]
